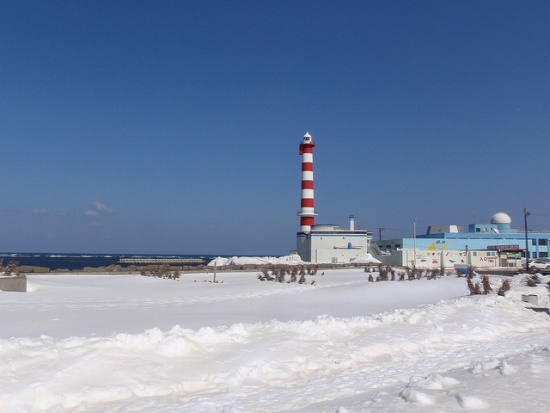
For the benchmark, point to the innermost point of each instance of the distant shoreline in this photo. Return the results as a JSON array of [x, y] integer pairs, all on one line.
[[80, 262]]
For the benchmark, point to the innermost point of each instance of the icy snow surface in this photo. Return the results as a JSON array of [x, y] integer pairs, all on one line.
[[127, 343]]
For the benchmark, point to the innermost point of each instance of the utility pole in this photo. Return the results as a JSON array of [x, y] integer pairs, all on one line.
[[414, 240], [525, 213], [380, 233]]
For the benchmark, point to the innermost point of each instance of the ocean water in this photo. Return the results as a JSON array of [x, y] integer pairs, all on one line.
[[80, 261]]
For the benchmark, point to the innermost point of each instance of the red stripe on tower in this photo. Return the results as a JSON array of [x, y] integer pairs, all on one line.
[[307, 212]]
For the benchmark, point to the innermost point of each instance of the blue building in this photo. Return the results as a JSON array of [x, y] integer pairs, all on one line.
[[497, 236]]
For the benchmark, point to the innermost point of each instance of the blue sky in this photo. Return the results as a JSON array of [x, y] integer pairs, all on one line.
[[173, 126]]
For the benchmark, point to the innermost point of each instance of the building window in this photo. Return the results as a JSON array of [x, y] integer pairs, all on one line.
[[543, 241]]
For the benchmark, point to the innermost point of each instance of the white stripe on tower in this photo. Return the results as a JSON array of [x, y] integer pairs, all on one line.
[[307, 212]]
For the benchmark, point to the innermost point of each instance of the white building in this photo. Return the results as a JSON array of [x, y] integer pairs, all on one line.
[[496, 244], [330, 244]]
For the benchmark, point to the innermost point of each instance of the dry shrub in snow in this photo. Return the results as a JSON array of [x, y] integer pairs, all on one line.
[[281, 275], [264, 276], [533, 280], [312, 270], [477, 289], [11, 268], [486, 285], [383, 270], [418, 274], [504, 288], [434, 274], [471, 286], [293, 276], [285, 274], [163, 271]]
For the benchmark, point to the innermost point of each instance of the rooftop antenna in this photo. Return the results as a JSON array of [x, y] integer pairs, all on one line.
[[380, 233]]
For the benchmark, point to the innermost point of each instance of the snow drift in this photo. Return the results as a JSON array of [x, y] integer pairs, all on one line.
[[292, 259]]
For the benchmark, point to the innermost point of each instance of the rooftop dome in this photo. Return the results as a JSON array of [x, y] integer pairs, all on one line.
[[501, 218]]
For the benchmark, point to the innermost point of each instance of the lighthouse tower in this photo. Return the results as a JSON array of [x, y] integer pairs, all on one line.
[[307, 212], [326, 242]]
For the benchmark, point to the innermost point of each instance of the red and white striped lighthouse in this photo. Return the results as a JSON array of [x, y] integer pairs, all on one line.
[[307, 212]]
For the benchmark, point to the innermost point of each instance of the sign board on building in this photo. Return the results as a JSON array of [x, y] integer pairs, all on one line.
[[513, 247]]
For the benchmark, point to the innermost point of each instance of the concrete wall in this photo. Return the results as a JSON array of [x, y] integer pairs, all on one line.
[[446, 258], [336, 256], [332, 246], [14, 284], [329, 240]]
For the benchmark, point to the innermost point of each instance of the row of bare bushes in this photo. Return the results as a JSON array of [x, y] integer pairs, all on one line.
[[162, 271], [11, 269], [388, 273], [484, 287], [289, 273]]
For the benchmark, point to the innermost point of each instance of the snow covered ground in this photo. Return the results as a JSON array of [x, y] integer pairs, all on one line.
[[128, 343]]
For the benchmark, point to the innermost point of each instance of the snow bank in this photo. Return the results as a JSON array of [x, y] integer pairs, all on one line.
[[178, 367], [292, 259], [366, 258], [287, 259]]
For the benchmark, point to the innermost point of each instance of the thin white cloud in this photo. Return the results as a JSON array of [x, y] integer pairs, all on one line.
[[102, 208], [98, 209], [91, 213], [40, 211]]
